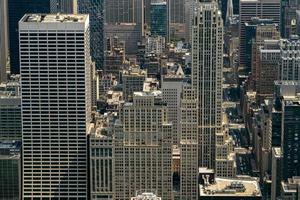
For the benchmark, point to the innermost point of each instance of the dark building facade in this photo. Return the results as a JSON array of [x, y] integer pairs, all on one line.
[[290, 138], [159, 19], [16, 10], [95, 8]]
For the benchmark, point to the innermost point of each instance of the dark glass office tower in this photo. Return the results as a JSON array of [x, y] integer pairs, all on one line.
[[159, 18], [16, 10], [290, 138], [95, 8]]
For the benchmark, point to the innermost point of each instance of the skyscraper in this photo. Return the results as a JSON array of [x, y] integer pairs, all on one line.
[[125, 19], [101, 144], [10, 169], [207, 63], [143, 148], [268, 56], [263, 9], [171, 90], [56, 104], [124, 11], [10, 117], [189, 144], [289, 17], [290, 136], [176, 9], [16, 10], [276, 172], [95, 8], [63, 6], [3, 40], [159, 18]]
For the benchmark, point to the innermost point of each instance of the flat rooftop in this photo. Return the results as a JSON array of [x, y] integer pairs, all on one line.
[[231, 187], [50, 18]]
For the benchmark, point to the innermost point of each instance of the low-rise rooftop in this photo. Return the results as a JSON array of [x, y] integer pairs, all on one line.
[[231, 187]]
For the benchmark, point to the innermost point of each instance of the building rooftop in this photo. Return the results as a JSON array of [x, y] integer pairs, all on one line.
[[146, 196], [291, 185], [231, 187], [277, 152], [50, 18]]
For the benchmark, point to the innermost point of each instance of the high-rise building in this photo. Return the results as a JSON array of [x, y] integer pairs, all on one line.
[[289, 17], [188, 143], [263, 9], [125, 11], [101, 147], [10, 117], [176, 11], [290, 142], [143, 147], [266, 72], [207, 64], [289, 64], [16, 10], [114, 57], [63, 6], [95, 9], [276, 172], [10, 170], [171, 90], [257, 31], [159, 18], [125, 19], [127, 32], [132, 81], [3, 40], [56, 104]]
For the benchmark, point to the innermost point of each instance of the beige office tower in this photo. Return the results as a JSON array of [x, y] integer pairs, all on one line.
[[171, 87], [56, 105], [3, 40], [189, 144], [207, 64], [189, 14], [143, 147], [101, 147]]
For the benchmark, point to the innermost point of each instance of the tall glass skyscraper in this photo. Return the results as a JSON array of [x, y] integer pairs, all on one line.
[[16, 10], [95, 8], [159, 18]]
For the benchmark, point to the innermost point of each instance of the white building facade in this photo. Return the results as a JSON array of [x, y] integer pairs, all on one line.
[[56, 105]]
